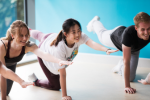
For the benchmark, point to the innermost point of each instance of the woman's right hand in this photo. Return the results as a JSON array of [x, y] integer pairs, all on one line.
[[65, 63], [66, 98]]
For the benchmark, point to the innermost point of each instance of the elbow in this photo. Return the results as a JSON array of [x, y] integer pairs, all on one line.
[[3, 71], [126, 62]]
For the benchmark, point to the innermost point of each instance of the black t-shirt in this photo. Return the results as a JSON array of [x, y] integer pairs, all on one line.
[[128, 37]]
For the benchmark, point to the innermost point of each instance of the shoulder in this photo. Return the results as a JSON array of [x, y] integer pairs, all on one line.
[[30, 47], [3, 43], [2, 47], [84, 38], [130, 28], [30, 44]]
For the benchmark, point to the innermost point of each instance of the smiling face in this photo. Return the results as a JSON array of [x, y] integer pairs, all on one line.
[[143, 30], [22, 36], [74, 34]]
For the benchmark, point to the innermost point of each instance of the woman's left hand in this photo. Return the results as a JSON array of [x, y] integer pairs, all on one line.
[[65, 63], [111, 51]]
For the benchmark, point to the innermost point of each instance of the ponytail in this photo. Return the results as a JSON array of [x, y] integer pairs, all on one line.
[[8, 35], [59, 37]]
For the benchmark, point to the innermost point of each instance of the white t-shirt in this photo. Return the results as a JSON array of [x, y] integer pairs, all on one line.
[[61, 51]]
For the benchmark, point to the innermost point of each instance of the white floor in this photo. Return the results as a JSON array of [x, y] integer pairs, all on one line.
[[85, 81]]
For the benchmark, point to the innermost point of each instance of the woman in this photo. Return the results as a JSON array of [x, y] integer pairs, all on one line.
[[64, 46], [12, 49]]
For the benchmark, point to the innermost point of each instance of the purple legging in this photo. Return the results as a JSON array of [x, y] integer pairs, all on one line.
[[53, 80]]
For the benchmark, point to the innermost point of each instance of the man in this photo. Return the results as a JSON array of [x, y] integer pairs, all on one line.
[[130, 40]]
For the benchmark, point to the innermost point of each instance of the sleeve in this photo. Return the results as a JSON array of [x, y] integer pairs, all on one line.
[[84, 38], [127, 38], [59, 53]]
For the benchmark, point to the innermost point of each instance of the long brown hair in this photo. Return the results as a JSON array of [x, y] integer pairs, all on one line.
[[65, 28], [14, 28]]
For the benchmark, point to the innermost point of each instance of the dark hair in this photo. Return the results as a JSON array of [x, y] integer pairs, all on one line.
[[65, 28]]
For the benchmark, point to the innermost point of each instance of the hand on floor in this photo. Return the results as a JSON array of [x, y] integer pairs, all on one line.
[[143, 81], [111, 51], [65, 63], [66, 98], [130, 90], [25, 84]]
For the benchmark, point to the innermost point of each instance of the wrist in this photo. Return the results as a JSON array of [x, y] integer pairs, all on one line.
[[107, 50], [64, 95], [59, 60], [21, 81]]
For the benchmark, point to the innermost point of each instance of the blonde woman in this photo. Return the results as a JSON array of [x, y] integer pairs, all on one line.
[[12, 49]]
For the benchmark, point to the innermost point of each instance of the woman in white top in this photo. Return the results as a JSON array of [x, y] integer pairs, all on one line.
[[12, 49], [64, 46]]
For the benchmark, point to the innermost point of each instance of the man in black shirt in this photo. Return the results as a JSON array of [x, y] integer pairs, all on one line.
[[130, 40]]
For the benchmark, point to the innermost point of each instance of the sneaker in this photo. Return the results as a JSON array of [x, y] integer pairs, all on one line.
[[90, 24], [32, 77], [117, 68]]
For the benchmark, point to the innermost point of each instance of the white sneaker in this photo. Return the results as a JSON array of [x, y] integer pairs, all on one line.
[[32, 77], [90, 24], [117, 68]]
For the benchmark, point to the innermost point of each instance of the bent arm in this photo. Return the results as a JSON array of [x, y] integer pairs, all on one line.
[[4, 71], [7, 73], [126, 59]]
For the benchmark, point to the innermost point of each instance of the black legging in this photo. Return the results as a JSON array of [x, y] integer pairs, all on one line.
[[10, 82]]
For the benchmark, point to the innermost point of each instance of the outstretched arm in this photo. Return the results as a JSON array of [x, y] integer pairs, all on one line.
[[99, 47], [46, 56]]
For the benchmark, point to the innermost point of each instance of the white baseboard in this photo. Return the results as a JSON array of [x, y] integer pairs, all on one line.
[[107, 59]]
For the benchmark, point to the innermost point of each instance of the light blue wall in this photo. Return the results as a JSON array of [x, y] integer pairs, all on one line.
[[50, 15]]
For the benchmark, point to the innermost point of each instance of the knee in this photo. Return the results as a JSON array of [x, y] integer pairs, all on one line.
[[34, 33], [132, 77]]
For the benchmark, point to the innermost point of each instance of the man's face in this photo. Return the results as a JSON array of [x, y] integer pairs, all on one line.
[[143, 30]]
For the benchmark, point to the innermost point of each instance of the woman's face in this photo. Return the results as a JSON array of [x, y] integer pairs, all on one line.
[[22, 37], [74, 34]]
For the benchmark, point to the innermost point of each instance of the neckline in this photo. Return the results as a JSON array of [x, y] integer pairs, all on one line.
[[8, 51]]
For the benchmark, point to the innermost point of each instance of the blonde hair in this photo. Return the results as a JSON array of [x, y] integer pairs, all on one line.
[[141, 17], [14, 28]]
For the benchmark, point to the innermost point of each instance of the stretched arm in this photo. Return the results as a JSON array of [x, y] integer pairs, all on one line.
[[63, 84], [126, 59], [99, 47], [46, 56]]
